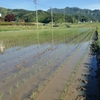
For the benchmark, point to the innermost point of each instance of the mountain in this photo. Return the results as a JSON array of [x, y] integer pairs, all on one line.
[[71, 11], [72, 14], [21, 14], [94, 14]]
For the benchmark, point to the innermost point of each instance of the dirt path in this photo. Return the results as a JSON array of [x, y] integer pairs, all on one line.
[[54, 89]]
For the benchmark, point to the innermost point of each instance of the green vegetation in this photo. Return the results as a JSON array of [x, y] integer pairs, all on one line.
[[32, 96], [10, 90], [72, 76], [7, 79], [17, 85], [77, 33], [24, 80], [1, 95], [24, 38], [72, 15], [15, 75]]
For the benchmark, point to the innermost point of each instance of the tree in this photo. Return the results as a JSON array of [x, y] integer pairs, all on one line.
[[1, 19], [9, 17], [69, 19]]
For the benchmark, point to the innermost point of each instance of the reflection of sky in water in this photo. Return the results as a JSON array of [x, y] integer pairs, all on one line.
[[19, 54], [30, 51]]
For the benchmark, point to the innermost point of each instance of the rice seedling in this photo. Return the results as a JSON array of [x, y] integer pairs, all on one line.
[[39, 69], [46, 82], [17, 85], [32, 66], [7, 79], [32, 96], [15, 75], [19, 72], [10, 90], [47, 63], [62, 96], [1, 95], [40, 88], [2, 68], [37, 63], [30, 75], [36, 71], [25, 69], [25, 80]]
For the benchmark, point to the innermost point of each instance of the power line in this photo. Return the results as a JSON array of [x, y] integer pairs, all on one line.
[[1, 3], [43, 6], [35, 2]]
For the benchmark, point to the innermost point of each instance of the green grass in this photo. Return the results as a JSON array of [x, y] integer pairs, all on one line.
[[32, 96], [17, 85], [25, 38], [10, 90], [1, 95], [6, 80], [28, 35]]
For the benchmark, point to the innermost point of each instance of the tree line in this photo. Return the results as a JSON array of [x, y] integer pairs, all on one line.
[[21, 15]]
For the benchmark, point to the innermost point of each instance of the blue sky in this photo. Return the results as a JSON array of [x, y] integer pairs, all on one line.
[[46, 4]]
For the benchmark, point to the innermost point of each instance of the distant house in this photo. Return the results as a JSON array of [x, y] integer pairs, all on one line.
[[22, 20], [91, 21], [1, 19], [0, 15]]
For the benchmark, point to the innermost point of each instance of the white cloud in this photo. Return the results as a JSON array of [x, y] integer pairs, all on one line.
[[92, 7], [25, 5]]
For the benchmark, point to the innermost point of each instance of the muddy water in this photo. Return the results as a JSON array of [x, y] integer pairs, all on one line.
[[25, 57], [84, 85], [14, 57], [39, 61], [91, 88]]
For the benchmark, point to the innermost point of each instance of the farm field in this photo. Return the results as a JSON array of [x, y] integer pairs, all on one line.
[[47, 64]]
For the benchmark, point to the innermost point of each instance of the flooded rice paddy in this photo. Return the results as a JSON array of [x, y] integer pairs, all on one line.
[[44, 71]]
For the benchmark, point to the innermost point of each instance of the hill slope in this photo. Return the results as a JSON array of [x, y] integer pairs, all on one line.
[[45, 16], [94, 14]]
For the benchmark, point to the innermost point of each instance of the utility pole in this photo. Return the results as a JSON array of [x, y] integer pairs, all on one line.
[[64, 16], [35, 2], [52, 25], [64, 25], [52, 17]]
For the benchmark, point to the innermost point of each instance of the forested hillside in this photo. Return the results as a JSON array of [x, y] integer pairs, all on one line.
[[90, 14], [59, 15]]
